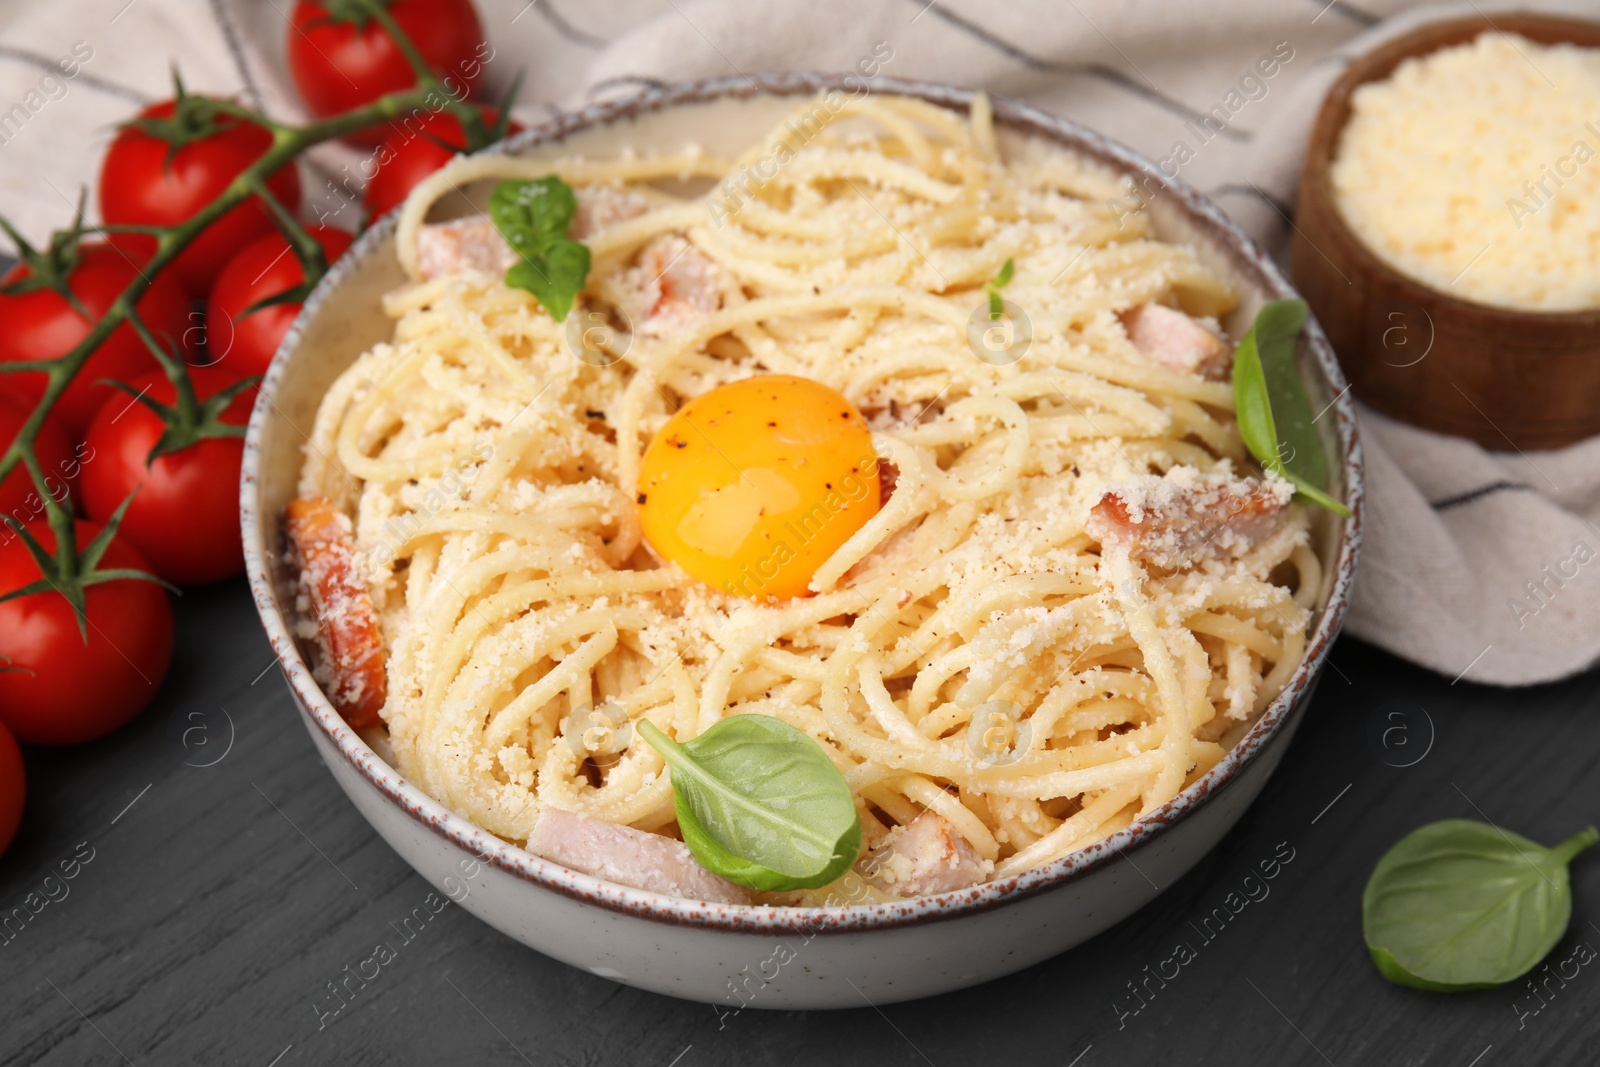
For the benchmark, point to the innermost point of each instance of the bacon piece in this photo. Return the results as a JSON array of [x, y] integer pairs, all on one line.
[[351, 661], [1173, 522], [1177, 342], [926, 856], [601, 207], [892, 416], [672, 287], [475, 244], [462, 245], [888, 478], [629, 857]]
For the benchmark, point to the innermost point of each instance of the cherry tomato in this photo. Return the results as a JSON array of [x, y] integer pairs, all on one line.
[[13, 788], [41, 324], [19, 498], [412, 151], [338, 65], [64, 690], [144, 181], [185, 520], [243, 344]]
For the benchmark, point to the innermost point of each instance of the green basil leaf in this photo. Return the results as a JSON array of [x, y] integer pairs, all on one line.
[[1273, 412], [531, 215], [1459, 905], [997, 304], [1253, 403], [1007, 269], [1277, 330], [1315, 495], [556, 276], [761, 804]]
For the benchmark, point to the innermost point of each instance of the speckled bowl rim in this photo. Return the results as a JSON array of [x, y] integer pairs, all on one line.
[[754, 919]]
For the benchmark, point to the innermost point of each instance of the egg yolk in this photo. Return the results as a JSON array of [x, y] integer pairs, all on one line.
[[752, 486]]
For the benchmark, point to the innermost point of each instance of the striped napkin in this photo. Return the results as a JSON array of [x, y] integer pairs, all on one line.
[[1477, 564]]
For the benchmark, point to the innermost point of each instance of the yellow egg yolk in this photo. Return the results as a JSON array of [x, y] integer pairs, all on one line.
[[752, 486]]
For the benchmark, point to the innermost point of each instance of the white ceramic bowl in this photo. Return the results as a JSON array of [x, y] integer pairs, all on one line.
[[741, 955]]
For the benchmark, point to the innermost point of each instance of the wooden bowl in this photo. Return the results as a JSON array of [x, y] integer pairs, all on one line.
[[1502, 377]]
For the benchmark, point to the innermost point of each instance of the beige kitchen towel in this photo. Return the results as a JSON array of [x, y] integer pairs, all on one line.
[[1477, 564]]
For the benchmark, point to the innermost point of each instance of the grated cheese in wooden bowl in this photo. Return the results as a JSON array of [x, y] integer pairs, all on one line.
[[1474, 170]]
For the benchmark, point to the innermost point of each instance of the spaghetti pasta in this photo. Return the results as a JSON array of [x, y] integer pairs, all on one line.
[[978, 649]]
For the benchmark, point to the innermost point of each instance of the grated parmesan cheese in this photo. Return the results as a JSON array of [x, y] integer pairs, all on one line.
[[492, 474], [1472, 169]]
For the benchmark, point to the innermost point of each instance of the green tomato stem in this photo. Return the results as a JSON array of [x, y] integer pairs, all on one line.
[[288, 142]]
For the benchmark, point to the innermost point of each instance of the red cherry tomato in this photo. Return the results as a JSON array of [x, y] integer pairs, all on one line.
[[63, 690], [143, 181], [19, 498], [412, 151], [185, 519], [338, 65], [13, 788], [243, 344], [42, 325]]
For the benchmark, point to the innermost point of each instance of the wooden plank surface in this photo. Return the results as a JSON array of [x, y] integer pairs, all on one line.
[[230, 881]]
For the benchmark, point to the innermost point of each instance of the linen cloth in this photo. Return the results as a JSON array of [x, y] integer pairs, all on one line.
[[1477, 564]]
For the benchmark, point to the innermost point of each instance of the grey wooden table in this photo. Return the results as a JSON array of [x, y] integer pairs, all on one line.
[[222, 881]]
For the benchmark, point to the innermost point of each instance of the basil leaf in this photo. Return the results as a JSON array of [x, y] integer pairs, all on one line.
[[1277, 328], [555, 276], [1460, 905], [1007, 269], [761, 804], [1253, 403], [1270, 402], [997, 304], [532, 214]]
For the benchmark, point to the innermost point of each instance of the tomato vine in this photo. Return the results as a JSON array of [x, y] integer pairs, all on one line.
[[70, 568]]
